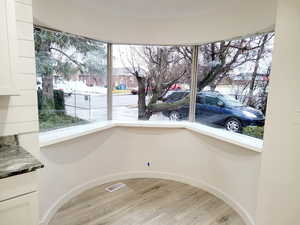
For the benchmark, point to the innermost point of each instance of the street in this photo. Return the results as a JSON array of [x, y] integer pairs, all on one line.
[[93, 107]]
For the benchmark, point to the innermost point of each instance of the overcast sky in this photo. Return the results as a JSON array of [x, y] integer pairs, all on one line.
[[121, 54]]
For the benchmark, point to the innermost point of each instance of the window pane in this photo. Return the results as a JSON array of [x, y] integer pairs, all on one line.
[[233, 77], [151, 82], [71, 79]]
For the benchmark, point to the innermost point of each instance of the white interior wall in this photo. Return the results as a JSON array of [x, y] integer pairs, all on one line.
[[18, 114], [227, 170], [279, 194]]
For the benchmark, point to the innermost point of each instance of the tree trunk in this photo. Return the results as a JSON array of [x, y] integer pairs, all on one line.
[[143, 112], [256, 67], [252, 83], [47, 84], [47, 77], [159, 107]]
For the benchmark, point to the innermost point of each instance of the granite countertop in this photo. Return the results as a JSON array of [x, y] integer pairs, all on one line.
[[15, 160]]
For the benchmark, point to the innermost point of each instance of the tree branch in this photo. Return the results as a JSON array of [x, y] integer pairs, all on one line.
[[80, 65]]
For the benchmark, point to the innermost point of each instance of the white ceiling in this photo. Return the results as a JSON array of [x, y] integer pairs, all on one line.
[[156, 21], [154, 9]]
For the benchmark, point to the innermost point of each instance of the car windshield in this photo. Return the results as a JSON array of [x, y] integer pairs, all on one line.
[[231, 102]]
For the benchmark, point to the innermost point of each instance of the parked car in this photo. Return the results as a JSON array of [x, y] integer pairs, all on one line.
[[215, 108], [134, 91], [175, 87]]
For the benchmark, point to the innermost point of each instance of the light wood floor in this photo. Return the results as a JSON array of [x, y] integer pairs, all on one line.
[[146, 202]]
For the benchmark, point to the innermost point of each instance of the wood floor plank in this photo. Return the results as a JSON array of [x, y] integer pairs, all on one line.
[[146, 202]]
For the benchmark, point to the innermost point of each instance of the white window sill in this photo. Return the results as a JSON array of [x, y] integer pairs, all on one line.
[[69, 133]]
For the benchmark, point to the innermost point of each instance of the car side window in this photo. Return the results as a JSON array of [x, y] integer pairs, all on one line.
[[211, 100]]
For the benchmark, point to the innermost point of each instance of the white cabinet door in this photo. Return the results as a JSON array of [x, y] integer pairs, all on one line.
[[7, 47], [22, 210]]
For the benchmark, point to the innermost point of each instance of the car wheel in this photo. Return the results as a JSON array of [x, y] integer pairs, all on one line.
[[174, 115], [233, 125]]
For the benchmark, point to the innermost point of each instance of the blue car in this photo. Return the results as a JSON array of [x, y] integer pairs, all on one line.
[[215, 108]]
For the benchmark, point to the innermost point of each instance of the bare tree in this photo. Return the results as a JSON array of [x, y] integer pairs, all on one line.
[[260, 54], [219, 59], [165, 66], [251, 88]]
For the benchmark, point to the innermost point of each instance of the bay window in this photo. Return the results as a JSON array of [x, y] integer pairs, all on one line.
[[221, 84]]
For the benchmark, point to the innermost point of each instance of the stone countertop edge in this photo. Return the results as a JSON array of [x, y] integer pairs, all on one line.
[[14, 160]]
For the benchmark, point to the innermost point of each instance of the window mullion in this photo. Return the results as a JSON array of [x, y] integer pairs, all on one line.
[[193, 94], [109, 81]]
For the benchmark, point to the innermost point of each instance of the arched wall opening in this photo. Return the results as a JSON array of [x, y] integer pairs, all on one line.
[[227, 171]]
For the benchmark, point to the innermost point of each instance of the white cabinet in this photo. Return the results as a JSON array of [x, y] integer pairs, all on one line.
[[18, 200], [21, 210], [8, 47]]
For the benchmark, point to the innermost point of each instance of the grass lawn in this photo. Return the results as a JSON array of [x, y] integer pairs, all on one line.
[[257, 132], [51, 121]]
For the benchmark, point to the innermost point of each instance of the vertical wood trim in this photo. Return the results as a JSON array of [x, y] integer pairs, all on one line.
[[194, 84], [109, 81]]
